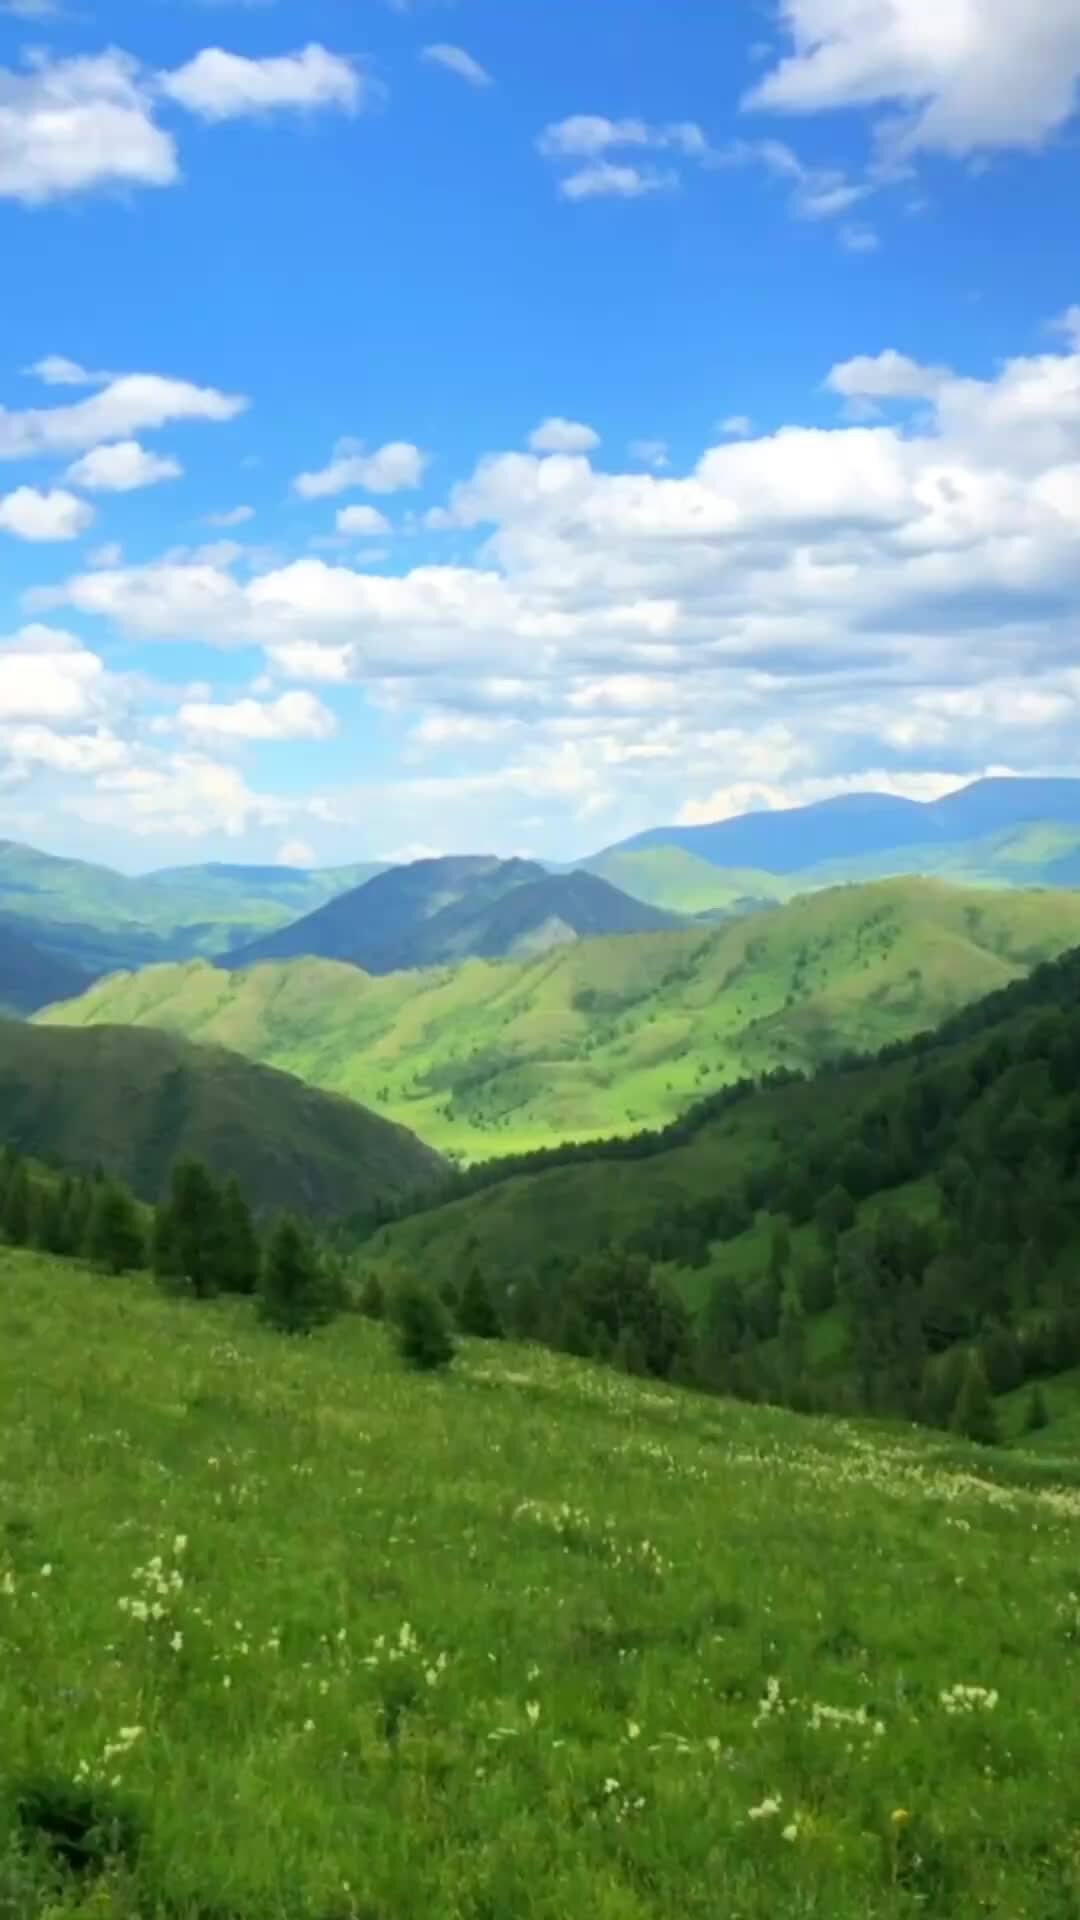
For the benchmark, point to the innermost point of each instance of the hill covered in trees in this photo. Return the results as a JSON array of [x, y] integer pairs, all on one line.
[[840, 1241], [133, 1102], [608, 1035]]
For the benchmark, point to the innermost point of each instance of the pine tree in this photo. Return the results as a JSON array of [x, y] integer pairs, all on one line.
[[1002, 1359], [974, 1415], [115, 1238], [239, 1259], [192, 1228], [1036, 1413], [293, 1294], [476, 1313], [372, 1300], [77, 1220], [424, 1340], [17, 1205], [49, 1217]]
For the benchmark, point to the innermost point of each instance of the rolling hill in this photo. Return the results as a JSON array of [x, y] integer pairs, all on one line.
[[98, 920], [864, 826], [132, 1102], [434, 912], [607, 1035], [31, 977]]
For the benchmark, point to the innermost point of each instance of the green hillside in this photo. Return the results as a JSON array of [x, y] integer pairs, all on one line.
[[97, 919], [831, 1237], [339, 1643], [134, 1102], [683, 883], [607, 1036]]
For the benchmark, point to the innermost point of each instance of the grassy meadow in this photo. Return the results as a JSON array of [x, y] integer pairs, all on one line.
[[610, 1035], [533, 1639]]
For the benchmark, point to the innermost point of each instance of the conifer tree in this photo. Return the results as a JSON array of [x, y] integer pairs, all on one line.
[[1036, 1413], [48, 1221], [372, 1300], [476, 1313], [190, 1227], [115, 1238], [293, 1295], [424, 1340], [17, 1205], [974, 1415], [239, 1245]]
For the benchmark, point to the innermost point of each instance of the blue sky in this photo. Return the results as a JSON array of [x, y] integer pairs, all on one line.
[[464, 425]]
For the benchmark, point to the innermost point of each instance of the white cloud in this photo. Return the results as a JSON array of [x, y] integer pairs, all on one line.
[[563, 436], [366, 521], [965, 78], [55, 370], [296, 853], [47, 675], [770, 795], [292, 716], [587, 136], [738, 425], [456, 60], [121, 467], [184, 796], [603, 180], [109, 555], [391, 469], [232, 517], [813, 604], [217, 85], [67, 126], [128, 404], [57, 515]]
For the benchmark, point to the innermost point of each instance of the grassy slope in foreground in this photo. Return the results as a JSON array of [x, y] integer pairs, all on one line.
[[609, 1035], [498, 1644], [132, 1102]]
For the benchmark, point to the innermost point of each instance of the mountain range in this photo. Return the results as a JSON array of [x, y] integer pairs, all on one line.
[[999, 832], [603, 1036]]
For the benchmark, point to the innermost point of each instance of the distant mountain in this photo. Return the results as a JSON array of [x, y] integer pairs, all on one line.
[[132, 1101], [685, 883], [31, 978], [100, 920], [858, 826], [600, 1036], [434, 912]]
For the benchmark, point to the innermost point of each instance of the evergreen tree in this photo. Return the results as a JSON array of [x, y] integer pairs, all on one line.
[[115, 1238], [189, 1236], [372, 1300], [476, 1312], [833, 1215], [974, 1415], [49, 1217], [779, 1251], [77, 1219], [1002, 1359], [1036, 1413], [424, 1340], [17, 1205], [239, 1256], [629, 1353], [293, 1293], [792, 1334]]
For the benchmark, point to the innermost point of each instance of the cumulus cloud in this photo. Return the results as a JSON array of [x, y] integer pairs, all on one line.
[[67, 126], [231, 517], [391, 469], [956, 79], [55, 370], [563, 436], [292, 716], [217, 85], [71, 126], [366, 521], [456, 60], [122, 467], [56, 515], [46, 674], [813, 604], [129, 403]]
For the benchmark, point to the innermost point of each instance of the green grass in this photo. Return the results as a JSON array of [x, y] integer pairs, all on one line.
[[684, 883], [135, 1102], [496, 1645], [609, 1035]]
